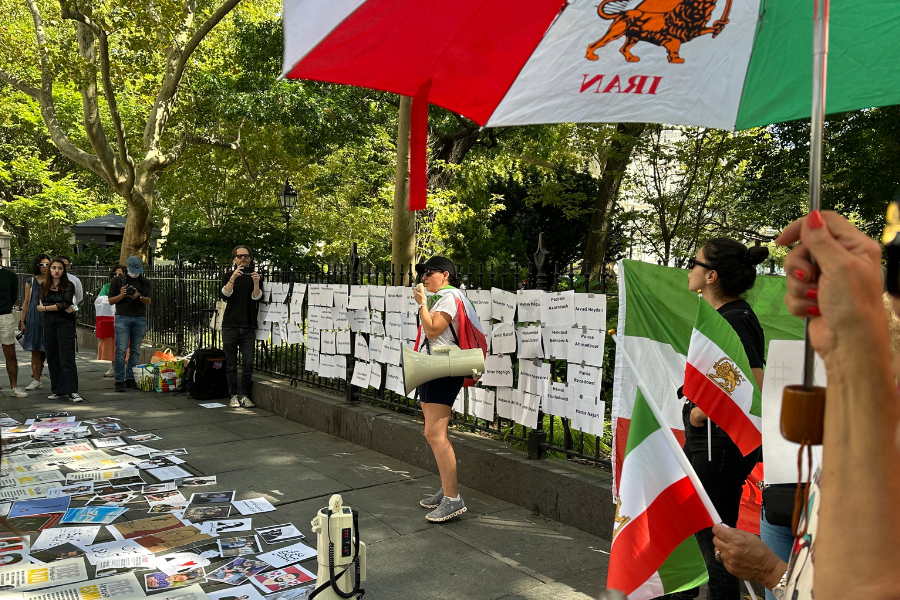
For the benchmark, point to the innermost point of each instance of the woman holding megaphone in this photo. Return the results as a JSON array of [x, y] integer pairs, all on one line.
[[446, 317]]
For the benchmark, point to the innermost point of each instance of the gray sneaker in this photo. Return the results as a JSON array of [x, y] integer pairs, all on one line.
[[433, 501], [17, 393], [447, 510], [245, 402], [235, 402]]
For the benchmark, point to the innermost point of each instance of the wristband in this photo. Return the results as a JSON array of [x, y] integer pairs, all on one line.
[[421, 305]]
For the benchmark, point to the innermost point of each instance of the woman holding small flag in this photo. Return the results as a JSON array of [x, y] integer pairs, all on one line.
[[446, 318], [722, 442]]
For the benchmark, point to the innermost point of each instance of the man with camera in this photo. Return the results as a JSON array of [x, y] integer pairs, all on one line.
[[131, 302], [241, 290]]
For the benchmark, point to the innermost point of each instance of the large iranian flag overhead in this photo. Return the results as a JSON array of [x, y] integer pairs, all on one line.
[[718, 63], [656, 319]]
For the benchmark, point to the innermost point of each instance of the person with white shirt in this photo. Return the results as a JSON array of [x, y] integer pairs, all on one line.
[[79, 289]]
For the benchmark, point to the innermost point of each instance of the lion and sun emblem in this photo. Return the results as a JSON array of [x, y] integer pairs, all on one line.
[[726, 376]]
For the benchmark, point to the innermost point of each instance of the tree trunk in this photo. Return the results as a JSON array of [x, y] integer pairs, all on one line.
[[403, 233], [617, 160], [139, 222]]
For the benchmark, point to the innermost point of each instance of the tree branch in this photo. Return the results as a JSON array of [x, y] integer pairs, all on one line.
[[207, 140], [108, 93], [48, 109], [201, 33], [15, 82]]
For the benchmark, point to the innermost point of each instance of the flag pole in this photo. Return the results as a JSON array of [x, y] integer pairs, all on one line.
[[708, 420], [670, 437]]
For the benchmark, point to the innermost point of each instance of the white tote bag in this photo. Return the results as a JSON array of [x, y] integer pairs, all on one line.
[[103, 307]]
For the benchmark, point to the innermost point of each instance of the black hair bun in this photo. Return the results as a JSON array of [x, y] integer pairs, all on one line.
[[756, 254]]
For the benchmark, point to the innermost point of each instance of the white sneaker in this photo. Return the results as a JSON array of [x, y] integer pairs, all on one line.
[[34, 385], [245, 402], [110, 373], [74, 397], [235, 402], [55, 397], [16, 392]]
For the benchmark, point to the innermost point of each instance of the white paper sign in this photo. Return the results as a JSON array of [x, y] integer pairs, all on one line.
[[361, 351], [54, 536], [558, 308], [590, 311], [557, 401], [359, 321], [311, 363], [534, 379], [589, 415], [360, 374], [505, 402], [530, 342], [503, 305], [409, 301], [529, 302], [376, 344], [481, 403], [410, 328], [359, 297], [328, 342], [340, 295], [393, 324], [556, 342], [530, 405], [587, 347], [376, 296], [374, 375], [342, 341], [394, 299], [503, 339], [393, 380], [584, 381], [498, 371], [339, 318], [481, 301], [391, 353], [459, 405], [339, 368]]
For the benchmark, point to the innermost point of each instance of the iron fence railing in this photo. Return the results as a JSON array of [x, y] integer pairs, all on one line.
[[184, 297]]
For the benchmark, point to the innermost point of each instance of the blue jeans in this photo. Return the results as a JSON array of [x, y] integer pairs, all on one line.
[[779, 539], [129, 331]]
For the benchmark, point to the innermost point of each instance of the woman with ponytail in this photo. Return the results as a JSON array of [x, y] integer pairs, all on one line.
[[723, 271]]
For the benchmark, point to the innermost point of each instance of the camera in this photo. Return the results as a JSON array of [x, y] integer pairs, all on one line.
[[19, 336], [130, 290]]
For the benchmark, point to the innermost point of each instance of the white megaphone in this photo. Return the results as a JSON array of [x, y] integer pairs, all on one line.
[[447, 361], [339, 549]]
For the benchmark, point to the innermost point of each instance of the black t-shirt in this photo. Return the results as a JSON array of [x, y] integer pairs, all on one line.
[[744, 322], [128, 306]]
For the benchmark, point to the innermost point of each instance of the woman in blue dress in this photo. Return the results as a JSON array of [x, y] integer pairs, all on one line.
[[32, 323]]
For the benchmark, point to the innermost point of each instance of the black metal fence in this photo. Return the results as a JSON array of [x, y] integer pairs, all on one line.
[[183, 303]]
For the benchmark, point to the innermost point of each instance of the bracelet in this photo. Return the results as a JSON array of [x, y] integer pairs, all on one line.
[[421, 305], [779, 590]]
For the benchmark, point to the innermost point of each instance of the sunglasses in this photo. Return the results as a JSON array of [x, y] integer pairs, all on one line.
[[44, 265], [242, 256], [693, 262], [429, 272]]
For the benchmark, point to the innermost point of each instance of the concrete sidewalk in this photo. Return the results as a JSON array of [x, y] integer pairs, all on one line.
[[495, 550]]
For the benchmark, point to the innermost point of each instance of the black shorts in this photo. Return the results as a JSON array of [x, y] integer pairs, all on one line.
[[441, 391]]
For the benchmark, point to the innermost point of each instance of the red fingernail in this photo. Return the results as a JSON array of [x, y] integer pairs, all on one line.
[[814, 311], [800, 274], [812, 294], [815, 220]]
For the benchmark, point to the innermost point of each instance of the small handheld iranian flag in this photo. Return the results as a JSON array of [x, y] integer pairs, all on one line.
[[661, 505], [717, 378]]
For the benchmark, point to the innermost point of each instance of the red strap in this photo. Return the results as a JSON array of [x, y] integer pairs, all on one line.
[[418, 141]]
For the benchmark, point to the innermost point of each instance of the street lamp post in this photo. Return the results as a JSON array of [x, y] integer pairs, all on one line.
[[287, 197]]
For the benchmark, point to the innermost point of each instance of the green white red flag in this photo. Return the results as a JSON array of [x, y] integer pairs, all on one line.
[[717, 378], [661, 505]]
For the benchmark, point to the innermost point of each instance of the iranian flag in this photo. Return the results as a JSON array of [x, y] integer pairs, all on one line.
[[656, 317], [661, 505], [717, 378]]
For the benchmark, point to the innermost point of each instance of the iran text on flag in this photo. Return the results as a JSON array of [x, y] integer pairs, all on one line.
[[717, 378], [661, 505]]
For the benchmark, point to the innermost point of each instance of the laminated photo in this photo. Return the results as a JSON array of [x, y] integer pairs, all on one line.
[[239, 546], [27, 508], [164, 508], [114, 549], [197, 481], [61, 552], [110, 442], [83, 536], [142, 527], [178, 562], [22, 578], [171, 539], [72, 490], [115, 499], [159, 462], [32, 524], [169, 473], [93, 514], [216, 528], [158, 487], [253, 506], [288, 555], [175, 452], [280, 579], [161, 581], [279, 533], [144, 437], [205, 513], [167, 496], [14, 550], [237, 571], [211, 498]]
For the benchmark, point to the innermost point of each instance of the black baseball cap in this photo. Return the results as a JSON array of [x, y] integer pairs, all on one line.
[[437, 263]]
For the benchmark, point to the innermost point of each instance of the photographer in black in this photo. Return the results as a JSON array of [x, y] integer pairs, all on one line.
[[241, 290], [132, 299]]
